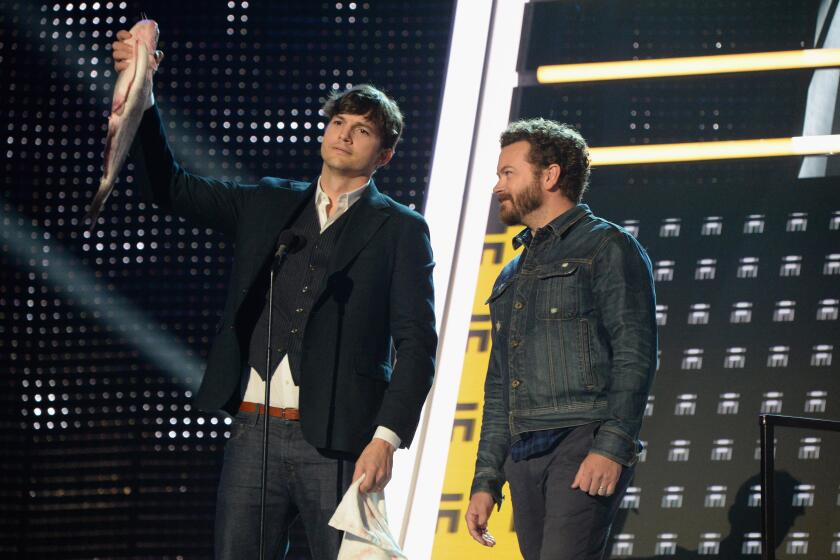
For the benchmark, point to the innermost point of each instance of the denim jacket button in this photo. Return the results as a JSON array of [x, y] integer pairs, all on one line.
[[514, 343], [515, 383], [518, 305]]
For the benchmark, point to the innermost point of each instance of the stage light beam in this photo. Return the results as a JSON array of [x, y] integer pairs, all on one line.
[[57, 266]]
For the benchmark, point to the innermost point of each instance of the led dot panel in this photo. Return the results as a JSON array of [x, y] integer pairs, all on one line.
[[567, 32], [104, 335]]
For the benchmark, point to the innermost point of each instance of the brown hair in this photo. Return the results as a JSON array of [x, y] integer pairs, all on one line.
[[553, 142], [364, 99]]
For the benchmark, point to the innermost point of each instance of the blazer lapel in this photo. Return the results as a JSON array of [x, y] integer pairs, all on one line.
[[278, 211], [273, 226], [364, 220]]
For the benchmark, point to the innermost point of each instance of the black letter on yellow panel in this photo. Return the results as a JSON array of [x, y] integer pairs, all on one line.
[[497, 251], [467, 423], [451, 515], [469, 428], [483, 336]]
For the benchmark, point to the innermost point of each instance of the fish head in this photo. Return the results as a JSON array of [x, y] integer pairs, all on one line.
[[147, 32]]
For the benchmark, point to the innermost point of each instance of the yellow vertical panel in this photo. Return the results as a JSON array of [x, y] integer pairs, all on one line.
[[452, 541]]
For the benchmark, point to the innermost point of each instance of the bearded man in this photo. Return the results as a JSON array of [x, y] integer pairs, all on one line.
[[573, 357]]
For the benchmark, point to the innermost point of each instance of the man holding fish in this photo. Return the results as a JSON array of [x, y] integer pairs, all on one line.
[[357, 280]]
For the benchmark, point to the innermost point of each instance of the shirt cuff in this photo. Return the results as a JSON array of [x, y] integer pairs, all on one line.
[[388, 435]]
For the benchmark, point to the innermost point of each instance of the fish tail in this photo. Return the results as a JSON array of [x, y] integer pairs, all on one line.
[[91, 218], [98, 203]]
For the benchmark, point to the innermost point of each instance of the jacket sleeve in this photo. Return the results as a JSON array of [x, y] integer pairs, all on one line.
[[203, 201], [412, 323], [624, 296], [494, 443]]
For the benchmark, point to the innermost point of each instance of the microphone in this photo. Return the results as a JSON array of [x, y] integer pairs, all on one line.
[[287, 242]]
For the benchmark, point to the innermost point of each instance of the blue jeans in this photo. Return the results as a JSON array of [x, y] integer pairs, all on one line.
[[551, 520], [301, 483]]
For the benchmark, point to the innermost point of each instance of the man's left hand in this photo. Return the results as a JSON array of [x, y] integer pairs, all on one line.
[[597, 475], [375, 463]]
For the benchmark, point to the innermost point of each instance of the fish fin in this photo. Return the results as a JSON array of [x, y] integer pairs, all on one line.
[[109, 139], [118, 103]]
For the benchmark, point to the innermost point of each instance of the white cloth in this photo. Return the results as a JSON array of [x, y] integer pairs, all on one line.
[[363, 519]]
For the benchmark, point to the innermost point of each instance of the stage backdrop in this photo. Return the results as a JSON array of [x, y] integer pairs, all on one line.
[[103, 337], [746, 259]]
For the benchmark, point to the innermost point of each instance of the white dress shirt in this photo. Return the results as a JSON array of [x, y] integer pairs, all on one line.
[[284, 392]]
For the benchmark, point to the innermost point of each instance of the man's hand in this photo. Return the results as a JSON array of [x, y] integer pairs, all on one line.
[[375, 463], [597, 475], [123, 52], [478, 513]]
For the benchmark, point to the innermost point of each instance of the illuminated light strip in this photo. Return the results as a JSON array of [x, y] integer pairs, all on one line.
[[405, 499], [687, 66], [498, 80], [702, 151]]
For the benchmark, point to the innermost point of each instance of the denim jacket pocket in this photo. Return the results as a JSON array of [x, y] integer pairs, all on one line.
[[557, 291]]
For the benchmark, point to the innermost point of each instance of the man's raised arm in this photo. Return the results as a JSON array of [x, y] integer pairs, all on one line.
[[163, 181]]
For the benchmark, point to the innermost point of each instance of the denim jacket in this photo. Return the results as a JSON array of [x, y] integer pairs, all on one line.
[[574, 341]]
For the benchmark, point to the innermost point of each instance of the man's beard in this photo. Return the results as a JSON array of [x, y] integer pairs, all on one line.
[[521, 205]]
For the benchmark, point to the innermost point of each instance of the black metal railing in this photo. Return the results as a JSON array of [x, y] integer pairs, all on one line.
[[767, 425]]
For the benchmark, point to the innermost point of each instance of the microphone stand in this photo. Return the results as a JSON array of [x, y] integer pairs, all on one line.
[[284, 245]]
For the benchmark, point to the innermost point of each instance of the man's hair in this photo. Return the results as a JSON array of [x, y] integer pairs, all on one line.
[[552, 142], [364, 99]]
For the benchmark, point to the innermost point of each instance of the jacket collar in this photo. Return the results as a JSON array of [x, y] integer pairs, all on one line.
[[559, 226], [344, 200], [363, 220]]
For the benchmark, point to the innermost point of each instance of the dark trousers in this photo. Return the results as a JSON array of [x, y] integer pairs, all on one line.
[[552, 520], [301, 483]]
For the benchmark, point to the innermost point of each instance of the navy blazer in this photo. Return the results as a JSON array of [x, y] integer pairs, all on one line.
[[377, 291]]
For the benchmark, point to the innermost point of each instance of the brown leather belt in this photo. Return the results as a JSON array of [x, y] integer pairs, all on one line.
[[276, 411]]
